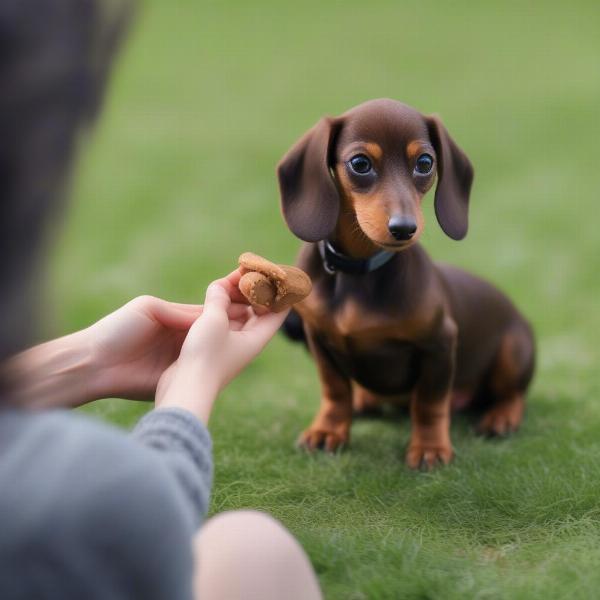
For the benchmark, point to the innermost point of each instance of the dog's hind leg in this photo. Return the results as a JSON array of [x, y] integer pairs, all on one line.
[[509, 378]]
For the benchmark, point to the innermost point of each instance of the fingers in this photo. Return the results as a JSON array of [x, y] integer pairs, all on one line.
[[260, 310], [230, 284], [262, 328], [239, 312], [171, 314], [223, 295], [234, 277], [239, 315], [217, 300]]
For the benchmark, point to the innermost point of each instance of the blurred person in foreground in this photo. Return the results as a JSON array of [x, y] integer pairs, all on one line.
[[86, 510]]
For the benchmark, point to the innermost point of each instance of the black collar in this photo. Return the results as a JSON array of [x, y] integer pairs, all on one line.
[[333, 260]]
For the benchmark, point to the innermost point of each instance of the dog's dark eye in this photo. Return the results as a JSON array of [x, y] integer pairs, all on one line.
[[360, 164], [424, 164]]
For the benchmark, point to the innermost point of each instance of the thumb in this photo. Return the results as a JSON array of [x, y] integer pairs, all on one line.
[[217, 300]]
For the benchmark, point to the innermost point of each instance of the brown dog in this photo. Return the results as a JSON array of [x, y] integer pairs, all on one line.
[[384, 321]]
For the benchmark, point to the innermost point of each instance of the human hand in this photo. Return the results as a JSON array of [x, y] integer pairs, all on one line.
[[227, 336], [124, 354], [135, 351], [132, 347]]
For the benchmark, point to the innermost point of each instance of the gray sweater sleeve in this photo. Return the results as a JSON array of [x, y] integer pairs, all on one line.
[[184, 444], [88, 511]]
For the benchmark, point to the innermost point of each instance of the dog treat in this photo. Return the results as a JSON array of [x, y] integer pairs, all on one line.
[[276, 287]]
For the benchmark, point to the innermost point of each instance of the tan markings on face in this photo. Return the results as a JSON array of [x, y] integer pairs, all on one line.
[[371, 149], [374, 150], [413, 150], [344, 183], [373, 217], [420, 222], [361, 210], [371, 213]]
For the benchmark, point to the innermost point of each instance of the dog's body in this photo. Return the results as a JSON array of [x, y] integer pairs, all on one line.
[[382, 324]]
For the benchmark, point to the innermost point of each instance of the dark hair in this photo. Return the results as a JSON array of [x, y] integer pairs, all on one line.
[[55, 56]]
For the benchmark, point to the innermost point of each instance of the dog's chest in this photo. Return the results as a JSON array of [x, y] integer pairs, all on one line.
[[373, 349]]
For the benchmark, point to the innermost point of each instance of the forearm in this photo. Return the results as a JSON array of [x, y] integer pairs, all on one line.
[[57, 374], [189, 387]]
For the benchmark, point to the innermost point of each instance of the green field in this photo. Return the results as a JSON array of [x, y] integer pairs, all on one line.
[[178, 180]]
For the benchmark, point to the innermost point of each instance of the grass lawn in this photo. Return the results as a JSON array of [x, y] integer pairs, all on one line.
[[178, 180]]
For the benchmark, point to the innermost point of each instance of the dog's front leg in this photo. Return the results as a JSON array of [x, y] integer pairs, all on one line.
[[330, 428], [430, 404]]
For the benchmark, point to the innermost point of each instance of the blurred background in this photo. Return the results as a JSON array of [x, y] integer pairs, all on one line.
[[178, 179]]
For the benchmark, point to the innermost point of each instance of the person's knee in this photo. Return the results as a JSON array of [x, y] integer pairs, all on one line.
[[246, 532], [245, 550]]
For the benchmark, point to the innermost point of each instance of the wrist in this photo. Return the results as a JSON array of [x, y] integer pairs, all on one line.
[[56, 374], [192, 389]]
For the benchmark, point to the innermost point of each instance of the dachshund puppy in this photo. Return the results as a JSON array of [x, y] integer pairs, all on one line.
[[384, 322]]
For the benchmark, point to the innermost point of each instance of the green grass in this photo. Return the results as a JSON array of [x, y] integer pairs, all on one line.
[[178, 180]]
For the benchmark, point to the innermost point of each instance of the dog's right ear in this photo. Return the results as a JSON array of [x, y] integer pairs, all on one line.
[[309, 198]]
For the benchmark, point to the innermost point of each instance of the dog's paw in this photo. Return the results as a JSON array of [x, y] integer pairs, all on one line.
[[316, 438], [502, 419], [498, 424], [426, 457]]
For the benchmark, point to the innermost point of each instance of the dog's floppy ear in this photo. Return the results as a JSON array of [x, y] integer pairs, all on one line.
[[455, 176], [309, 197]]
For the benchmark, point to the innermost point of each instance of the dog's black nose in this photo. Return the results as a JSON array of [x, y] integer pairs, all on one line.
[[402, 228]]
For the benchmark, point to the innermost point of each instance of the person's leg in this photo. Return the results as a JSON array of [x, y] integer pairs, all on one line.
[[249, 555]]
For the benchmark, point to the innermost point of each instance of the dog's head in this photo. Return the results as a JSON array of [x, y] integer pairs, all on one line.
[[376, 162]]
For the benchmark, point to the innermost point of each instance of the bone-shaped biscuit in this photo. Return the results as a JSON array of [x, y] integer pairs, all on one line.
[[276, 287]]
